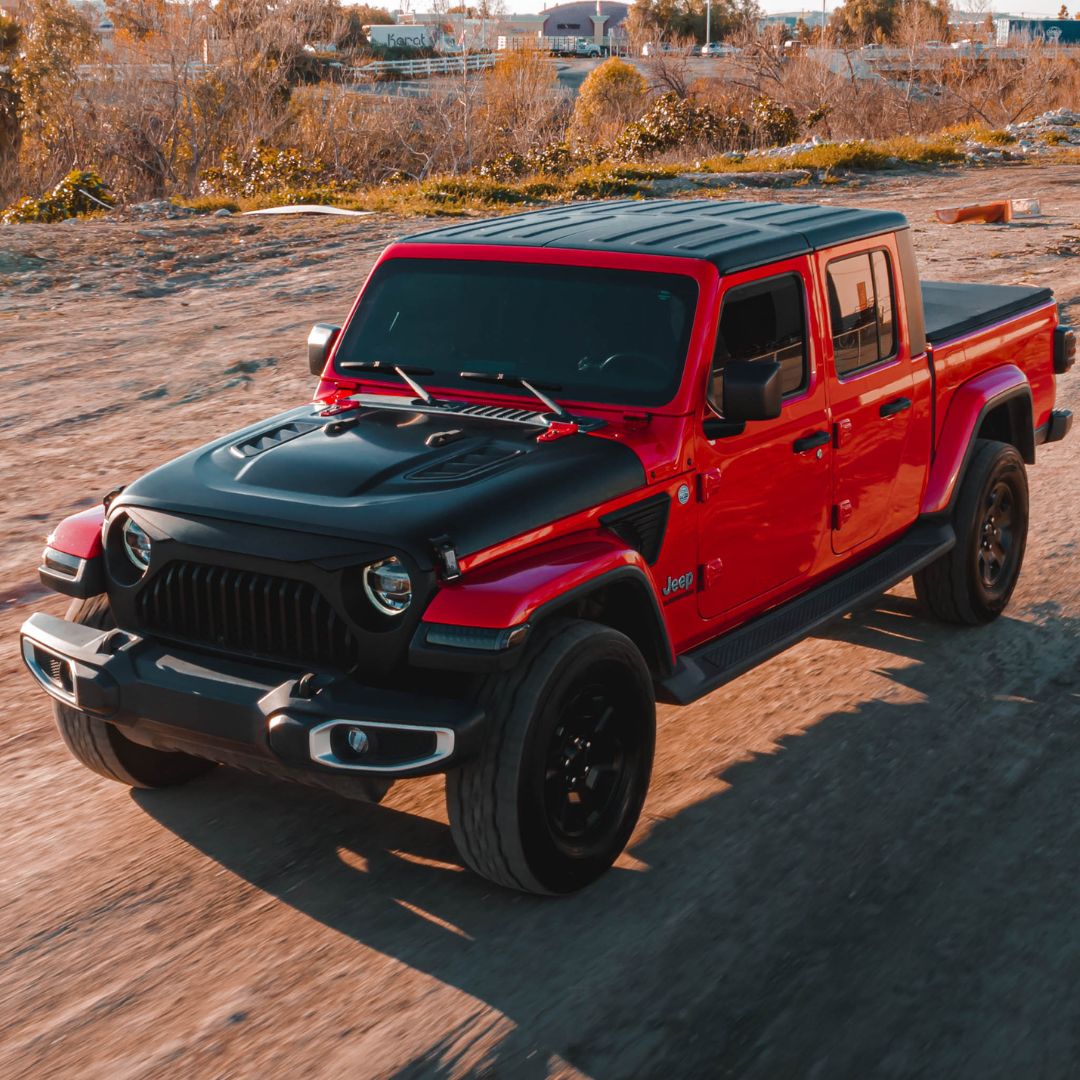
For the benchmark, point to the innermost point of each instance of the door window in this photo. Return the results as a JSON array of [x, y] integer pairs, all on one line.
[[764, 320], [861, 311]]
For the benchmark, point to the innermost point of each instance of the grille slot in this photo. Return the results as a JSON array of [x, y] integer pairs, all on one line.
[[246, 612]]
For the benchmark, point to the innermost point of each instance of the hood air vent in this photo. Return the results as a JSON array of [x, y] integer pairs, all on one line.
[[267, 440], [468, 464]]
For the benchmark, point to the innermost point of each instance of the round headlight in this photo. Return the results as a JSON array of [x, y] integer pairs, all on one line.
[[388, 586], [136, 545]]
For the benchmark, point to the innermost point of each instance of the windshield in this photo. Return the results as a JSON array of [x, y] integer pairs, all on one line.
[[612, 336]]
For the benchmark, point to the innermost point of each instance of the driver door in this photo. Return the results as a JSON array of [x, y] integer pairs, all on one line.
[[766, 492]]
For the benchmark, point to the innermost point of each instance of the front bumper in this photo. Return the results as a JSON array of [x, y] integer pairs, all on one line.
[[246, 713]]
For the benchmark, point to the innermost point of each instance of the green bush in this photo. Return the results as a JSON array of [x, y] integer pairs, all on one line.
[[265, 169], [673, 122], [80, 192], [775, 124]]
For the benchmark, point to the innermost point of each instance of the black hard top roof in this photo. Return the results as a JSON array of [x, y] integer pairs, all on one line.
[[732, 234]]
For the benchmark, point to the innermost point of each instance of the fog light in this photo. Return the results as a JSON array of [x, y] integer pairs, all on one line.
[[357, 740], [388, 586]]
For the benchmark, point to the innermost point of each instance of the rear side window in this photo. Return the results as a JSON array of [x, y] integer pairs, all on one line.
[[764, 320], [861, 311]]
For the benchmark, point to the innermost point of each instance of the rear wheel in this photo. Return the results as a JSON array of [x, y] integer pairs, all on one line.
[[972, 583], [102, 747], [555, 793]]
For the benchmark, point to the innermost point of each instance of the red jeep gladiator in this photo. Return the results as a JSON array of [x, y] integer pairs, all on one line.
[[558, 466]]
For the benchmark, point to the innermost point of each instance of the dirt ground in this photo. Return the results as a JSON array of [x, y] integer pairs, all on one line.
[[860, 860]]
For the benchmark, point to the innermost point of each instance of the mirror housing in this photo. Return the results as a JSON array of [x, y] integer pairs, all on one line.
[[319, 343], [751, 392]]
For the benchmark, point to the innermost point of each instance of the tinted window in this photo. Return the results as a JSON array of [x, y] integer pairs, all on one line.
[[616, 336], [861, 311], [765, 320]]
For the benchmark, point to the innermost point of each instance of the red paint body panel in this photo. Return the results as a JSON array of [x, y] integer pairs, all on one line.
[[80, 534], [507, 593], [1025, 341], [958, 429], [757, 527]]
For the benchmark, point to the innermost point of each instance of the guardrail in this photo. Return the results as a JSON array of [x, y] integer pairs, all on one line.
[[432, 65]]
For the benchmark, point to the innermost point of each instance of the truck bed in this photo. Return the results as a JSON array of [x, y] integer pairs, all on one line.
[[953, 309]]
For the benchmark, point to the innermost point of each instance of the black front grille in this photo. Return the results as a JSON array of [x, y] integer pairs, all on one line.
[[245, 612]]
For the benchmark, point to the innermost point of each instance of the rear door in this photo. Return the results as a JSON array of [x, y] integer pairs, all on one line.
[[871, 388], [765, 491]]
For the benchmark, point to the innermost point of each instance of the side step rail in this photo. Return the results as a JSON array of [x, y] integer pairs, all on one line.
[[709, 666]]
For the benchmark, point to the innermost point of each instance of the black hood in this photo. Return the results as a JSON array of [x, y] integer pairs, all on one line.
[[391, 477]]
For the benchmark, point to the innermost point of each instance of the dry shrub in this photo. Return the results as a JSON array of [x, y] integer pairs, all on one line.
[[612, 95]]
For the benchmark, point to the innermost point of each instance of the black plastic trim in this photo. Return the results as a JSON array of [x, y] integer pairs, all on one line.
[[1056, 428], [214, 706], [642, 525], [657, 627], [88, 581], [1064, 357]]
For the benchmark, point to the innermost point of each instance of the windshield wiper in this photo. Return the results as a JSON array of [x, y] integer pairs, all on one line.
[[403, 372], [535, 388]]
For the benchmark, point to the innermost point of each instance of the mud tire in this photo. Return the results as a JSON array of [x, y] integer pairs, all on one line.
[[520, 817], [970, 585]]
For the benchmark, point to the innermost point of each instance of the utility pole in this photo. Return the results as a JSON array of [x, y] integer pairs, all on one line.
[[708, 21]]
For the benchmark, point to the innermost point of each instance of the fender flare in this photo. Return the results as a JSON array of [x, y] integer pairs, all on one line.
[[72, 561], [971, 402], [522, 591]]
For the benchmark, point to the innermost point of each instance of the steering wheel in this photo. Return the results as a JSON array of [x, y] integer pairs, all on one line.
[[640, 359]]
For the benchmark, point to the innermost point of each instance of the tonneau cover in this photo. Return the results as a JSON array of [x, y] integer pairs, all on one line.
[[956, 308]]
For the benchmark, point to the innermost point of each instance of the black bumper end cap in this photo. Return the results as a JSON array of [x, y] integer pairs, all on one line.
[[89, 580], [1056, 428]]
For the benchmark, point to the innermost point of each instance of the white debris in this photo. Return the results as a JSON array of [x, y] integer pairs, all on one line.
[[311, 208]]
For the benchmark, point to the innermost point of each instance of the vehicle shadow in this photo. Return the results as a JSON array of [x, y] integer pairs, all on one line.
[[889, 893]]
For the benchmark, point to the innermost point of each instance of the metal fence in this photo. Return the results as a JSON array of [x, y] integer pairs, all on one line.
[[434, 65]]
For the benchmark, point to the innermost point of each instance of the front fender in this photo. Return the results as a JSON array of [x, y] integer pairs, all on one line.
[[970, 403], [72, 560], [518, 591], [80, 534]]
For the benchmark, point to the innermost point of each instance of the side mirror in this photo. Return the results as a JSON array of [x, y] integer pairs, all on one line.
[[319, 343], [751, 392]]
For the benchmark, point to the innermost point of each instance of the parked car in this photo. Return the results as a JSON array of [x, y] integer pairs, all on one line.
[[662, 48], [504, 527], [718, 49]]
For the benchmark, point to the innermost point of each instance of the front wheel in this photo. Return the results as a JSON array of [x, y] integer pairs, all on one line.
[[557, 789], [972, 583], [102, 747]]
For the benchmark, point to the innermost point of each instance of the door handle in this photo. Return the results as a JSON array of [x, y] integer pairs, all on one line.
[[891, 408], [809, 442]]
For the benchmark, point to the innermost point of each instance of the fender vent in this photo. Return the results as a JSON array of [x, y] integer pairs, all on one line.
[[467, 464], [641, 525], [266, 440]]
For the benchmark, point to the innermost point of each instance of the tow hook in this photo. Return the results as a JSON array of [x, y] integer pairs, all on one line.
[[307, 686]]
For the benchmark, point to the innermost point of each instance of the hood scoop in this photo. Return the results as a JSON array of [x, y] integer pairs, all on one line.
[[267, 440], [467, 464]]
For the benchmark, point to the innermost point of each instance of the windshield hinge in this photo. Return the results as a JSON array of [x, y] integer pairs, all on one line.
[[558, 429], [446, 557]]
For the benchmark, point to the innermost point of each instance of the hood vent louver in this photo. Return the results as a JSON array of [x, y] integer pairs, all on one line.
[[267, 440], [467, 464]]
